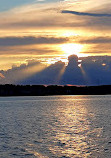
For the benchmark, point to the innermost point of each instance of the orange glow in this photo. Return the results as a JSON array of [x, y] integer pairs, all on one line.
[[1, 75]]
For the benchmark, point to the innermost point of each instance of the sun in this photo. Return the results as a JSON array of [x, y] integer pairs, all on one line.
[[71, 48]]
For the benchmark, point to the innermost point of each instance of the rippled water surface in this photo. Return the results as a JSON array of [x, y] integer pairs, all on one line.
[[55, 127]]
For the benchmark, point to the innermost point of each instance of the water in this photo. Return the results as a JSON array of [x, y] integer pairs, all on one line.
[[55, 127]]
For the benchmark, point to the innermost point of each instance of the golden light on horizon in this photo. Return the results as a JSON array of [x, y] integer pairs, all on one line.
[[69, 33], [72, 48]]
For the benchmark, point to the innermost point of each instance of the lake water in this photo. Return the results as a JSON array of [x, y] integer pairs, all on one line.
[[55, 127]]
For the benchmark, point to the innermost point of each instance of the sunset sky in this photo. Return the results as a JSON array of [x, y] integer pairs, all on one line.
[[51, 30]]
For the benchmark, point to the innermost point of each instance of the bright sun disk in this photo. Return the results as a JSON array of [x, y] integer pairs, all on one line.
[[71, 48]]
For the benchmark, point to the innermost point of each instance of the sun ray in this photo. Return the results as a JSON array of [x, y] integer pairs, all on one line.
[[61, 73]]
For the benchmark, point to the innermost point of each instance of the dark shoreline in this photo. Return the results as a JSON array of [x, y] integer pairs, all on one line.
[[42, 90]]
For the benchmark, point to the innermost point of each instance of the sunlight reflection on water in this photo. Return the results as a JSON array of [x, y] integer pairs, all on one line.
[[55, 127]]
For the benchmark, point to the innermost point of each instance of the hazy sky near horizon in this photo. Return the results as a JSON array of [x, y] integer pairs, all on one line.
[[49, 31]]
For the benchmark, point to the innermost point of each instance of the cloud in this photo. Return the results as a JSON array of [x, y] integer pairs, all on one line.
[[86, 14], [30, 45], [96, 40], [29, 40], [21, 72], [37, 29], [32, 73], [31, 16], [28, 51], [93, 70], [48, 16]]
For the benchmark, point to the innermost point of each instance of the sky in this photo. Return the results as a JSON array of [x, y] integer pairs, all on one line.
[[47, 31]]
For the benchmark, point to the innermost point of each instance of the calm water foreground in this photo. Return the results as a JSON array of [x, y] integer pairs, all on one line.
[[55, 127]]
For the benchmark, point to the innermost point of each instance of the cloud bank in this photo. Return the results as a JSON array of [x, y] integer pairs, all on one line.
[[29, 40], [93, 71]]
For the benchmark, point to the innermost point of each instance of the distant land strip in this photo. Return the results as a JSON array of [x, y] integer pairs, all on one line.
[[42, 90]]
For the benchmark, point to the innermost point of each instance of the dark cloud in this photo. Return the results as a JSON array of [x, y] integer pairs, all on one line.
[[19, 50], [50, 75], [14, 41], [96, 40], [87, 14], [21, 72], [93, 71]]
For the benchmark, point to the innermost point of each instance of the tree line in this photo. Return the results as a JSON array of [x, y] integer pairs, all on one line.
[[42, 90]]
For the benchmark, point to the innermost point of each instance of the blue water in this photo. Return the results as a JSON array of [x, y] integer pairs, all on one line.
[[55, 127]]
